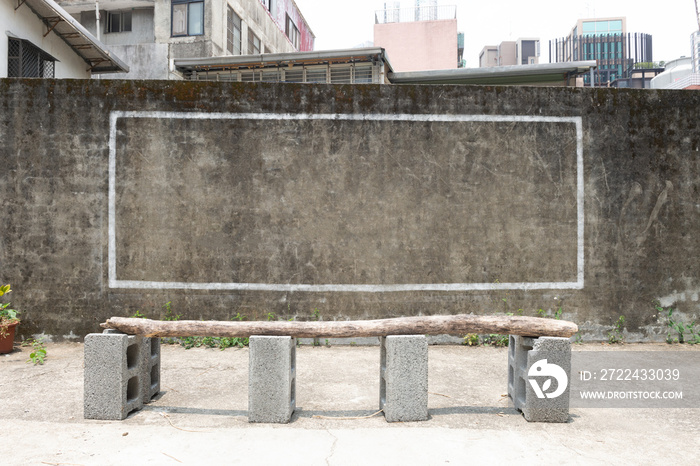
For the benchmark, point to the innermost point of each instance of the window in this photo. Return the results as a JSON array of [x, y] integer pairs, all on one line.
[[188, 18], [254, 45], [233, 32], [363, 74], [25, 60], [316, 75], [118, 21], [292, 32]]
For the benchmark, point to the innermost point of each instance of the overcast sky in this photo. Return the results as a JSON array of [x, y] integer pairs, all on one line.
[[347, 24]]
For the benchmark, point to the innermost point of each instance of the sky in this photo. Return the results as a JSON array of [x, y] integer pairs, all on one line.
[[339, 25]]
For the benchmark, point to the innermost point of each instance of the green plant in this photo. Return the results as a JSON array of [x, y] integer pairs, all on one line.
[[471, 339], [271, 316], [169, 313], [138, 315], [7, 316], [680, 328], [38, 354], [316, 315], [557, 313], [494, 339], [616, 336]]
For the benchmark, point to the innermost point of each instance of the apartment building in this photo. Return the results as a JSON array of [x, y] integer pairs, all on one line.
[[150, 34]]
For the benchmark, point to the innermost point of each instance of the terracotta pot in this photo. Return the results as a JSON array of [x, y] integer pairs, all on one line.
[[7, 341]]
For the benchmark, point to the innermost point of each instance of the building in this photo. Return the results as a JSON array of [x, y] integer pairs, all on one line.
[[695, 50], [41, 40], [369, 66], [418, 38], [527, 51], [679, 74], [353, 66], [639, 77], [511, 53], [607, 41], [149, 34], [488, 57]]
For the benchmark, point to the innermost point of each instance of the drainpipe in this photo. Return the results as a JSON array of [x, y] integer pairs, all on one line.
[[97, 19]]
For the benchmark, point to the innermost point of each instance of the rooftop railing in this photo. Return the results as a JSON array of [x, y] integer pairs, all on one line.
[[418, 13]]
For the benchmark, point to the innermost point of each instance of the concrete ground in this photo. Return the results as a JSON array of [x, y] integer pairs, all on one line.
[[200, 416]]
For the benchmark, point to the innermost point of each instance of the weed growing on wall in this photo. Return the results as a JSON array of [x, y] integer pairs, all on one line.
[[616, 336], [679, 328]]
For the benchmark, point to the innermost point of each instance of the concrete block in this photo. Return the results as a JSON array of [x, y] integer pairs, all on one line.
[[539, 373], [112, 375], [271, 379], [403, 380]]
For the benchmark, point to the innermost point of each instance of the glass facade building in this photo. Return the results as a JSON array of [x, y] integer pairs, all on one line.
[[608, 43]]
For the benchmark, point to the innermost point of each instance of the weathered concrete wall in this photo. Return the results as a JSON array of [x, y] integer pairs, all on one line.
[[359, 201]]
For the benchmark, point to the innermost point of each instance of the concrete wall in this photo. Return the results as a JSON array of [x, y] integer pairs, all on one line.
[[359, 201]]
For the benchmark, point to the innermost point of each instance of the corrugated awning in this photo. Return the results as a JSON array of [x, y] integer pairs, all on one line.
[[61, 23], [500, 75]]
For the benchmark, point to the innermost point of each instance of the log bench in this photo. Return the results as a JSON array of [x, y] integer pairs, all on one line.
[[122, 364]]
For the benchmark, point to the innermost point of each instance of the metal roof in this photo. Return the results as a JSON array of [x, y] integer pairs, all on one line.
[[56, 19], [547, 73], [283, 59]]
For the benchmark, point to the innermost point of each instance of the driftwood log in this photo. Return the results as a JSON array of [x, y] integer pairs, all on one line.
[[423, 325]]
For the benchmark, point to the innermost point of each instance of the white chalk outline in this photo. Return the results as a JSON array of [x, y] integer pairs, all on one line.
[[136, 284]]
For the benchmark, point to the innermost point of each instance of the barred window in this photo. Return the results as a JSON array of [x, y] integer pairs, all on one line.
[[254, 44], [234, 29], [292, 32], [26, 60]]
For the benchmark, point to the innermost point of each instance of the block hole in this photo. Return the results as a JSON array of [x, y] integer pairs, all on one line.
[[520, 392], [132, 356], [511, 375], [155, 375], [511, 346], [293, 396], [154, 346], [132, 389]]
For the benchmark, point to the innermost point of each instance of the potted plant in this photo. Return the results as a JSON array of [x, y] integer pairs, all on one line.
[[8, 322]]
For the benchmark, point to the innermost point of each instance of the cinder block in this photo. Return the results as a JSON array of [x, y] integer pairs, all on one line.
[[112, 376], [539, 373], [271, 379], [122, 372], [403, 380]]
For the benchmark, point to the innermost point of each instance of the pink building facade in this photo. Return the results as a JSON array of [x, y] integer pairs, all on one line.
[[419, 45]]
